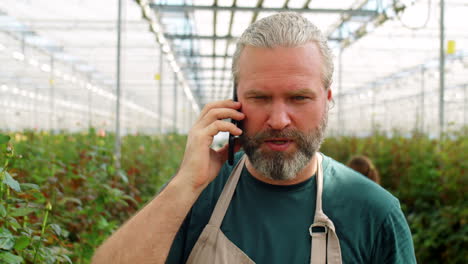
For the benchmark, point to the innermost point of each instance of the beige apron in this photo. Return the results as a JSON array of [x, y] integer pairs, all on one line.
[[214, 247]]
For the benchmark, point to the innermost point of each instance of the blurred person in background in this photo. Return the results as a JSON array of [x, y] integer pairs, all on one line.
[[364, 165], [282, 201]]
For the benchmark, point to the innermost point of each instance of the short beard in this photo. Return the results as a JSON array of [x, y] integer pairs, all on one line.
[[277, 165]]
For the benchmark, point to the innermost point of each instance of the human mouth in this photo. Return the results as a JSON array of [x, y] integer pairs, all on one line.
[[278, 144]]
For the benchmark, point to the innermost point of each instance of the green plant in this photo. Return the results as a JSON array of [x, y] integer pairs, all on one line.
[[62, 196]]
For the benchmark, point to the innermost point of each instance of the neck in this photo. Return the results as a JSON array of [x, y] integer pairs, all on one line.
[[301, 176]]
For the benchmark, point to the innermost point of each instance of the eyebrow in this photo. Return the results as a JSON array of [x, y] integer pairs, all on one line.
[[254, 93], [302, 91]]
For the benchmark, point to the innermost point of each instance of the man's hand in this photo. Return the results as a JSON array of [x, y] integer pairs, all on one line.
[[201, 163]]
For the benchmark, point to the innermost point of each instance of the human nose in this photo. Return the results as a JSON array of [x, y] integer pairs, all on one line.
[[279, 117]]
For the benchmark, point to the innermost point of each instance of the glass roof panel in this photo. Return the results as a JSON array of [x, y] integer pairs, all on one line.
[[223, 19], [246, 3], [241, 22], [273, 3], [381, 55], [225, 2], [204, 22]]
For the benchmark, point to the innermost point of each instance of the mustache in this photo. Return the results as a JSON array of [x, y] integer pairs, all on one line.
[[286, 133]]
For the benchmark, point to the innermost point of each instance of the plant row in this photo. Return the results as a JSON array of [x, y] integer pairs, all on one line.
[[62, 194]]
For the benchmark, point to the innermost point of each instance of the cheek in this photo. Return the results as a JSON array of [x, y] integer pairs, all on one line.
[[254, 119], [308, 118]]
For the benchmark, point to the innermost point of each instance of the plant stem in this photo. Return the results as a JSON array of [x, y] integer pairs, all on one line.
[[2, 176], [44, 224], [6, 201]]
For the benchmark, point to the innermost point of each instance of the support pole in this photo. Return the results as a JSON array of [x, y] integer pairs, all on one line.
[[188, 120], [118, 92], [465, 107], [36, 122], [90, 98], [362, 117], [386, 119], [422, 110], [176, 85], [191, 116], [340, 127], [52, 97], [374, 102], [441, 70], [160, 94]]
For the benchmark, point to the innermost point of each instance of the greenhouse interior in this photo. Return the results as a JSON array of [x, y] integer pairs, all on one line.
[[98, 98]]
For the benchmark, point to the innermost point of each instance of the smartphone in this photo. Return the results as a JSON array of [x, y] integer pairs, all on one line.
[[232, 138]]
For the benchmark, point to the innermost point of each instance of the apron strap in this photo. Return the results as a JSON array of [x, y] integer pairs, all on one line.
[[325, 243], [226, 195]]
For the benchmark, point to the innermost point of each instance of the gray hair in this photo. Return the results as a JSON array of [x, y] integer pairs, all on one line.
[[286, 29]]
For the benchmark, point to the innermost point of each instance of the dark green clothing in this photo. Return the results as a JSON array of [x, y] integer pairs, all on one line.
[[270, 223]]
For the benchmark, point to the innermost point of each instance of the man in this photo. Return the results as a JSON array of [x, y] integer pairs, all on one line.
[[270, 211]]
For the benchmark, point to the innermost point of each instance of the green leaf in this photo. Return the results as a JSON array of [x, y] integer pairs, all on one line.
[[111, 170], [8, 180], [13, 223], [57, 230], [123, 176], [7, 257], [29, 186], [2, 211], [66, 258], [7, 241], [37, 238], [22, 211], [102, 223], [70, 199], [4, 139], [22, 242]]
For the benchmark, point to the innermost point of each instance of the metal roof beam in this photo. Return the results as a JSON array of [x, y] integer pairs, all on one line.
[[199, 37], [190, 8], [209, 68], [187, 54], [208, 79], [255, 15], [193, 36], [306, 4], [205, 37]]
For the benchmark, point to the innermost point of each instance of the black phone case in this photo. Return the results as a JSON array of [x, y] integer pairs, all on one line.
[[232, 138]]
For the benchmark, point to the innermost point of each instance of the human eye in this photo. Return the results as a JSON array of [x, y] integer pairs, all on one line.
[[300, 98], [259, 97]]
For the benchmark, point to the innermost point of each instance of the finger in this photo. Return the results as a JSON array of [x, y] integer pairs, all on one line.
[[219, 114], [219, 104], [222, 126]]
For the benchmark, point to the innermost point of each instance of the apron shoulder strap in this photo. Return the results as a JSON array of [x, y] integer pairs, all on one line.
[[325, 243], [226, 195]]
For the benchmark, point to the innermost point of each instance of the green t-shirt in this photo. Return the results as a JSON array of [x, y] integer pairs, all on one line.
[[270, 223]]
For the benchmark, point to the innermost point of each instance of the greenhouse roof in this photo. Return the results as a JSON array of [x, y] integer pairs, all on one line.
[[382, 47]]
